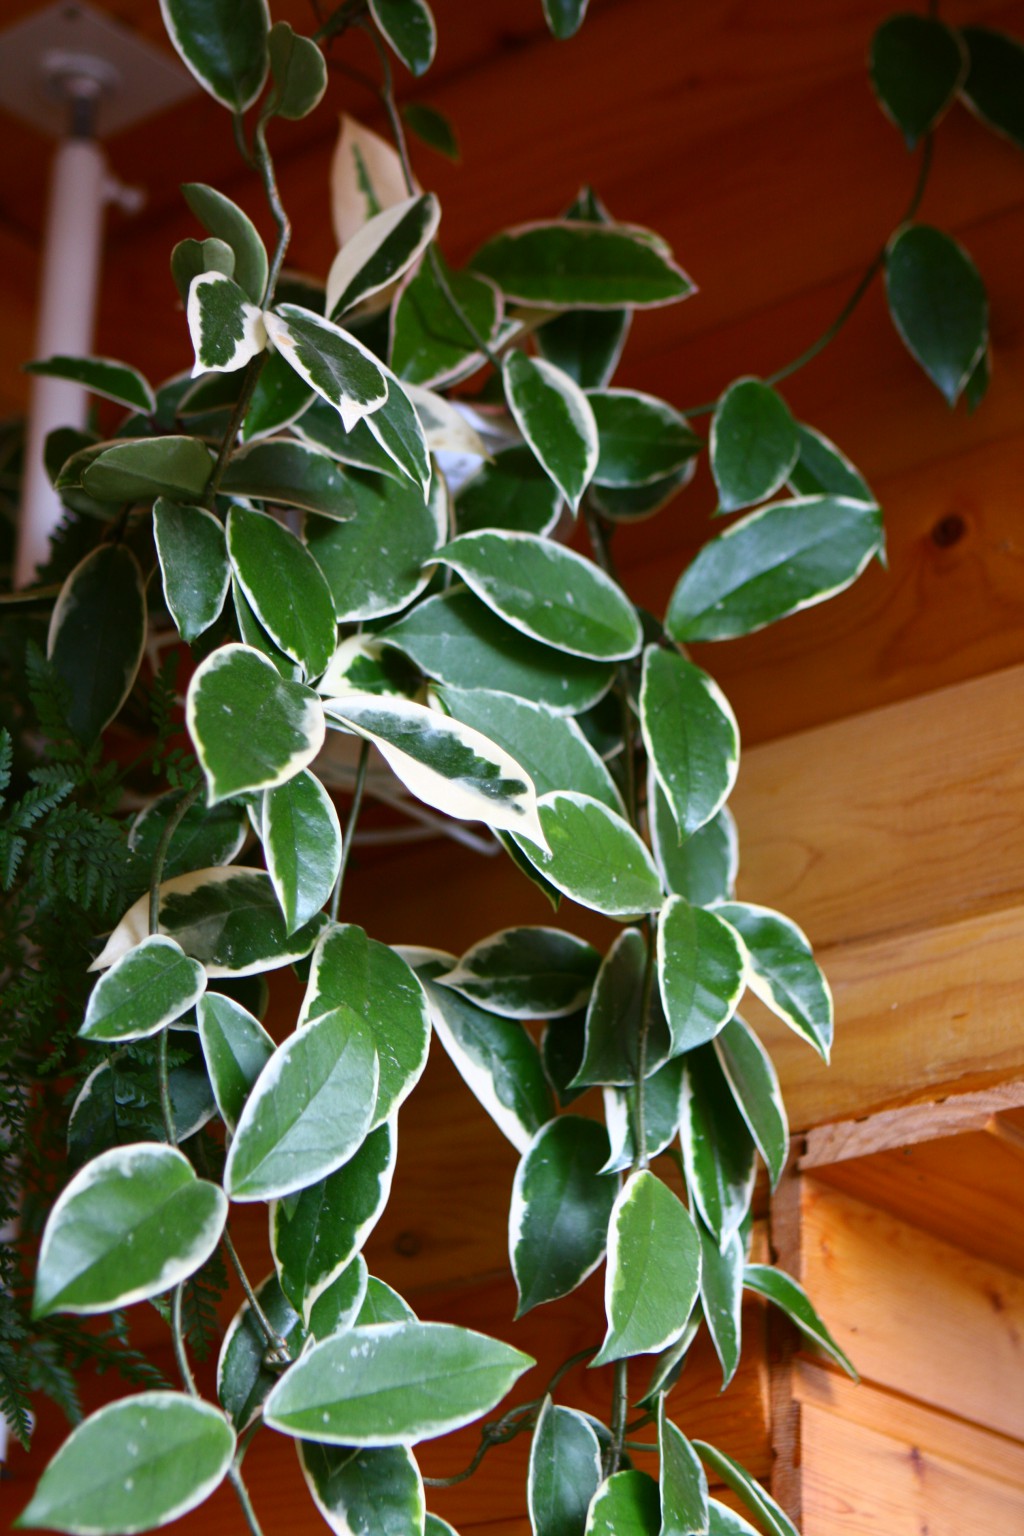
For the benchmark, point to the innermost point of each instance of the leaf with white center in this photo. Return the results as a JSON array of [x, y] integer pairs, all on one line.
[[360, 973], [381, 1304], [133, 1465], [527, 973], [495, 1057], [653, 1270], [641, 438], [783, 972], [315, 1233], [573, 264], [784, 1292], [565, 1471], [301, 838], [994, 89], [236, 1048], [96, 637], [200, 839], [287, 589], [456, 639], [938, 305], [823, 470], [627, 1503], [755, 1086], [397, 428], [764, 1508], [614, 1020], [279, 469], [917, 64], [691, 737], [147, 988], [701, 972], [548, 592], [299, 72], [561, 1205], [719, 1154], [140, 469], [365, 1492], [703, 867], [193, 563], [393, 1383], [662, 1090], [379, 561], [134, 1222], [555, 417], [594, 856], [309, 1111], [224, 220], [251, 728], [100, 376], [721, 1296], [224, 45], [429, 343], [366, 176], [511, 491], [772, 563], [226, 329], [682, 1483], [381, 251], [330, 360], [753, 444], [409, 27], [446, 765]]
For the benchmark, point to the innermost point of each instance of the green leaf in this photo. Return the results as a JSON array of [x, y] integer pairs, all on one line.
[[244, 1376], [526, 973], [117, 1104], [585, 343], [821, 469], [718, 1150], [703, 867], [191, 257], [627, 1504], [291, 473], [653, 1270], [315, 1234], [995, 81], [670, 1364], [783, 972], [691, 737], [201, 838], [701, 972], [253, 634], [381, 251], [299, 72], [662, 1090], [147, 988], [565, 1472], [510, 491], [561, 1205], [279, 398], [139, 470], [552, 748], [223, 219], [495, 1057], [363, 665], [755, 1086], [236, 1048], [228, 919], [682, 1484], [556, 419], [133, 1465], [193, 563], [429, 342], [383, 1305], [634, 504], [223, 43], [432, 128], [976, 387], [916, 63], [595, 856], [568, 264], [400, 432], [101, 376], [614, 1018], [331, 361], [226, 329], [301, 839], [753, 444], [549, 593], [444, 764], [721, 1295], [409, 27], [938, 305], [642, 439], [564, 17], [456, 639], [251, 728], [96, 637], [370, 978], [723, 1521], [320, 426], [786, 1293], [772, 563], [132, 1223], [762, 1505], [365, 1492], [387, 515], [393, 1383], [285, 585]]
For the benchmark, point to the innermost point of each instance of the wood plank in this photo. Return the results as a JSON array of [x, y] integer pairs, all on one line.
[[955, 1116]]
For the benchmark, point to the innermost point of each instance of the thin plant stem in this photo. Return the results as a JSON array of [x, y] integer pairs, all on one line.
[[350, 826], [242, 1494], [253, 369], [339, 21], [164, 1084], [178, 1336], [277, 1345], [265, 166], [620, 1408]]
